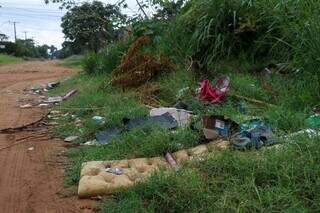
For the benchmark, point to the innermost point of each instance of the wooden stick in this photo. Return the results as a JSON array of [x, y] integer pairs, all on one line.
[[253, 101]]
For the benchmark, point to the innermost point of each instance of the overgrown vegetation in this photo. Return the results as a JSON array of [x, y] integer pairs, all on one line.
[[269, 49]]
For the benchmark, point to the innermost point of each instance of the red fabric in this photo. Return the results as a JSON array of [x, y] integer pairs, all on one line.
[[216, 94]]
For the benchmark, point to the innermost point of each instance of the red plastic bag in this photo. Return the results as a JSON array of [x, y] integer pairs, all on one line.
[[216, 94]]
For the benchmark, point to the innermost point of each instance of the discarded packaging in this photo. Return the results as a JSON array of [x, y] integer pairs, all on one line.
[[92, 143], [52, 85], [70, 94], [214, 94], [43, 105], [253, 134], [311, 133], [165, 121], [56, 99], [99, 120], [219, 125], [115, 170], [211, 134], [314, 121], [25, 106], [171, 161], [71, 138], [183, 117]]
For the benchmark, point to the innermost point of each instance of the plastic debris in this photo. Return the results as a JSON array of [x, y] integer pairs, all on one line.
[[253, 134], [165, 121], [314, 121], [71, 138], [43, 105], [115, 170], [217, 125], [31, 149], [56, 99], [70, 94], [183, 117], [92, 143], [25, 106], [52, 85], [311, 133], [171, 161], [214, 94], [99, 120]]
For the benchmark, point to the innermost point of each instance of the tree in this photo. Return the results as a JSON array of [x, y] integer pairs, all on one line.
[[167, 9], [3, 37], [92, 25]]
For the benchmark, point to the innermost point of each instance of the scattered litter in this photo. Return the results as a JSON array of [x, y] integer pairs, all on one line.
[[99, 120], [25, 106], [316, 109], [171, 161], [31, 149], [70, 94], [311, 133], [181, 105], [183, 117], [92, 143], [216, 126], [36, 89], [314, 121], [214, 94], [115, 170], [71, 138], [104, 137], [56, 99], [211, 134], [165, 121], [54, 112], [253, 134], [52, 85], [43, 105]]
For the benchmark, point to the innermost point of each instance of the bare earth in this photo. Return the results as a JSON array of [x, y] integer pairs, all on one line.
[[31, 170]]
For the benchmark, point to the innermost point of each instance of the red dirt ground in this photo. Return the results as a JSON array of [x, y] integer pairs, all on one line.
[[31, 180]]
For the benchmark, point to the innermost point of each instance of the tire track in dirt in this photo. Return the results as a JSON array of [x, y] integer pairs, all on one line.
[[31, 180]]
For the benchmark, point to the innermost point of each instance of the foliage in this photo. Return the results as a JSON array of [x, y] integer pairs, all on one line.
[[26, 48], [3, 37], [91, 25], [8, 59], [107, 59]]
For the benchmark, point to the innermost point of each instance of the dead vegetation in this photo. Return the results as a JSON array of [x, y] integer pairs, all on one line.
[[137, 68]]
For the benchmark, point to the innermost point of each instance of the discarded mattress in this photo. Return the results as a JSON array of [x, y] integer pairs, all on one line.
[[105, 177], [165, 121], [183, 117]]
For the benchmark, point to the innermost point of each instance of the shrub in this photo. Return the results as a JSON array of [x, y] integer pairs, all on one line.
[[107, 59]]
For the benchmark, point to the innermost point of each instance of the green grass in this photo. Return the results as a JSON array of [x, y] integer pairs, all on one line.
[[73, 62], [271, 181], [285, 180], [8, 59]]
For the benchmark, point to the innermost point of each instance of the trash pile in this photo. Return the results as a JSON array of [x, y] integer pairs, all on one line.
[[46, 102], [136, 69]]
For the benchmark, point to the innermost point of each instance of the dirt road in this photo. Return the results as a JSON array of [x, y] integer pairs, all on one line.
[[31, 173]]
